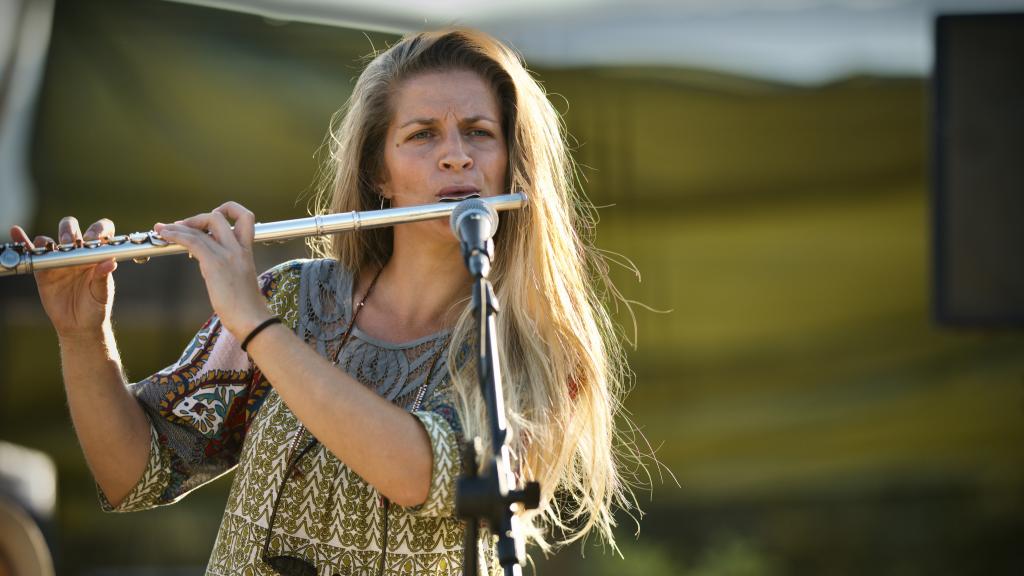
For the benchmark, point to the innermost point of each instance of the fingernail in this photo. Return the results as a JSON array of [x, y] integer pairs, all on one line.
[[65, 238]]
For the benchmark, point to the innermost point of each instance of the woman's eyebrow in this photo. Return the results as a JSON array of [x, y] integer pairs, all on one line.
[[419, 121], [466, 120], [471, 119]]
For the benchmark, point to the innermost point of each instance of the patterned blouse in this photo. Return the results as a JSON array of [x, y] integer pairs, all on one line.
[[213, 410]]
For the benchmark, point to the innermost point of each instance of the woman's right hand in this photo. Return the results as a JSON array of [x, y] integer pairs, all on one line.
[[77, 299]]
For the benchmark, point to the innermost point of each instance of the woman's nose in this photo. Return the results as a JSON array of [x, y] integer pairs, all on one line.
[[454, 156]]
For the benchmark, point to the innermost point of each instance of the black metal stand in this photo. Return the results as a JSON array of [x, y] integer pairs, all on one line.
[[490, 496]]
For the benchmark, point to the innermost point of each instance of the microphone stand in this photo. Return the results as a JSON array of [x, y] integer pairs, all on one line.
[[490, 496]]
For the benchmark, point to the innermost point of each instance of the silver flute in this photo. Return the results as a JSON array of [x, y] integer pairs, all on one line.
[[18, 258]]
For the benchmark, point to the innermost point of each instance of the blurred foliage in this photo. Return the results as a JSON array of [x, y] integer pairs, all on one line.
[[726, 556], [818, 422]]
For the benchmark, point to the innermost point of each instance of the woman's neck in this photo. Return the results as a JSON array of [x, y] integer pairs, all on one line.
[[415, 292]]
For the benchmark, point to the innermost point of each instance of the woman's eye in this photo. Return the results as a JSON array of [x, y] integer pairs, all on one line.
[[421, 135], [479, 132]]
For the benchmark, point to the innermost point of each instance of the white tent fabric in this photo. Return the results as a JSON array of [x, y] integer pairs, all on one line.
[[801, 41], [24, 37]]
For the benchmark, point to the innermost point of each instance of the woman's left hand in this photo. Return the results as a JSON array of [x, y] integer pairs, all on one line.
[[225, 260]]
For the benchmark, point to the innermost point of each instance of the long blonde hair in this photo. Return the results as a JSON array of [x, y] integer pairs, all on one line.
[[562, 361]]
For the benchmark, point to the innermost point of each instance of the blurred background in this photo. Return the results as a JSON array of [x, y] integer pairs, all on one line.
[[765, 164]]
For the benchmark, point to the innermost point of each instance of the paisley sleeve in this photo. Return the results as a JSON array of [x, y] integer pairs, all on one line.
[[441, 421], [201, 407]]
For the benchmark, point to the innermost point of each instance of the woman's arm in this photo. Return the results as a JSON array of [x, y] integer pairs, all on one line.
[[111, 425], [384, 444]]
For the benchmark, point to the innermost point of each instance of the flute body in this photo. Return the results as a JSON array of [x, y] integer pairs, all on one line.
[[16, 258]]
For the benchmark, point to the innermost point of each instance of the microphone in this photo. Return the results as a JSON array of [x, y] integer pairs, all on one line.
[[474, 223]]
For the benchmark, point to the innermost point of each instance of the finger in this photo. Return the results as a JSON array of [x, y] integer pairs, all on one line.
[[221, 230], [199, 243], [216, 224], [40, 241], [105, 267], [18, 234], [68, 230], [102, 228], [244, 219]]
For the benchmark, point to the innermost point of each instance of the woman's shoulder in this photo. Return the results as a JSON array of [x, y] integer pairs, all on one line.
[[277, 277], [281, 284], [272, 279]]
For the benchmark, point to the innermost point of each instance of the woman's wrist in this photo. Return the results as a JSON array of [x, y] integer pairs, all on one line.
[[91, 335], [256, 330], [242, 320]]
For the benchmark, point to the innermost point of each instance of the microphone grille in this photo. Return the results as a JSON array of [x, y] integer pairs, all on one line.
[[473, 205]]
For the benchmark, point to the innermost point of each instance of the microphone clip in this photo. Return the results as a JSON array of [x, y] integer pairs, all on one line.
[[478, 258]]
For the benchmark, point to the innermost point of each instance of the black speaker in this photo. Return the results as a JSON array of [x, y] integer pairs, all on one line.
[[978, 170]]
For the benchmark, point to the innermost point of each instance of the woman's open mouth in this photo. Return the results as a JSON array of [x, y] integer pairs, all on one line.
[[457, 193]]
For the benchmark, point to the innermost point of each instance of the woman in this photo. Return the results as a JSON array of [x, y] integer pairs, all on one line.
[[352, 470]]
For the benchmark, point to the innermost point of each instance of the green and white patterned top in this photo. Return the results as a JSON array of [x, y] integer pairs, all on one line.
[[213, 411]]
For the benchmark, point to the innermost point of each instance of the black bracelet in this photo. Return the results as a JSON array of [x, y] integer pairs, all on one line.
[[268, 322]]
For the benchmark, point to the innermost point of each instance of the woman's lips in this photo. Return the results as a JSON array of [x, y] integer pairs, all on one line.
[[455, 193]]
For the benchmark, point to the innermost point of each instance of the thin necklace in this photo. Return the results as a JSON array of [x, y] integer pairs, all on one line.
[[355, 314], [420, 393], [344, 340]]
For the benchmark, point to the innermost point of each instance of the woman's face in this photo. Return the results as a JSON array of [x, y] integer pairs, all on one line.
[[445, 140]]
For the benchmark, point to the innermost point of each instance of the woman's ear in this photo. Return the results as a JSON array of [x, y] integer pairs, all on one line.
[[381, 185]]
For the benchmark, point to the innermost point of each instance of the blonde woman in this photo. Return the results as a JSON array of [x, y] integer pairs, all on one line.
[[340, 387]]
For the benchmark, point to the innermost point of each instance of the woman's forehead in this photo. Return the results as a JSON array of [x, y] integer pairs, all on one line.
[[436, 95]]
